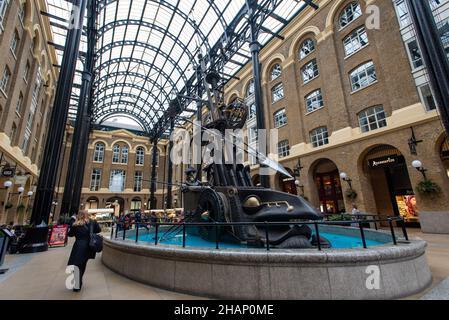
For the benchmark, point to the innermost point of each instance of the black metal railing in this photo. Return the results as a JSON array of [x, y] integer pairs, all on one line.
[[357, 220]]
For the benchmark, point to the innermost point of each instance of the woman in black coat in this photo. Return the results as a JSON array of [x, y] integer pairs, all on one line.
[[81, 252]]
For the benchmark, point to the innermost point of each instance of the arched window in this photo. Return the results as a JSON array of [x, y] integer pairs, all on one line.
[[250, 89], [372, 119], [307, 47], [350, 13], [125, 153], [276, 72], [140, 156], [99, 152], [116, 154]]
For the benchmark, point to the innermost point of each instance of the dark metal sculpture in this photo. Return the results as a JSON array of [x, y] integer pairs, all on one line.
[[230, 195]]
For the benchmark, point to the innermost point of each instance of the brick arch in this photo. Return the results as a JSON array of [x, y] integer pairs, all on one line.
[[277, 58], [335, 9], [299, 37], [141, 146], [130, 148], [245, 87], [234, 94], [95, 142], [37, 36]]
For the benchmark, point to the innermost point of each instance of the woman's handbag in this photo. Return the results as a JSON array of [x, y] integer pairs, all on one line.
[[95, 241]]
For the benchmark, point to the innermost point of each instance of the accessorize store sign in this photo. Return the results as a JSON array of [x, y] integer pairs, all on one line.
[[385, 162]]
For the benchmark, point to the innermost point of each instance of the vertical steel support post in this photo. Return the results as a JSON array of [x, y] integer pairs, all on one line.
[[433, 54], [82, 129], [255, 51], [170, 167], [49, 170], [153, 175]]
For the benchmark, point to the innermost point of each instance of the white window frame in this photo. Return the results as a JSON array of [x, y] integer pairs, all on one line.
[[308, 46], [116, 151], [280, 118], [4, 82], [3, 8], [277, 93], [314, 101], [310, 70], [351, 13], [375, 118], [319, 137], [364, 76], [117, 172], [138, 181], [95, 180], [284, 148], [99, 152], [275, 72], [354, 41], [140, 156]]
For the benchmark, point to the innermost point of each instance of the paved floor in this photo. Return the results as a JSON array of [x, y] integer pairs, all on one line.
[[42, 276]]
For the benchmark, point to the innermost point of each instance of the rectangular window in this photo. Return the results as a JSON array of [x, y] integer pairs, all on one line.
[[138, 180], [415, 54], [95, 180], [280, 118], [117, 181], [5, 80], [253, 135], [427, 97], [22, 13], [277, 93], [319, 137], [363, 76], [402, 12], [26, 71], [355, 41], [3, 7], [314, 101], [252, 111], [14, 43], [309, 71], [284, 149], [19, 104]]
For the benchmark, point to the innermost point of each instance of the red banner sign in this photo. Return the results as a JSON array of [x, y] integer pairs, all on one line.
[[58, 236]]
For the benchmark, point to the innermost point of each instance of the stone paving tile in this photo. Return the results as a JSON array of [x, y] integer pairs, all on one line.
[[440, 292]]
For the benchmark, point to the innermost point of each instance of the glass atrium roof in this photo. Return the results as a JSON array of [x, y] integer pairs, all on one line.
[[147, 49]]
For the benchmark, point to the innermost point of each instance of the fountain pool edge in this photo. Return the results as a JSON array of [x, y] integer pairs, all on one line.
[[278, 274]]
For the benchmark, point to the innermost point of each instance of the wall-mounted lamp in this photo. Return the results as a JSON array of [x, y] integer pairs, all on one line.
[[298, 168], [300, 187], [344, 176], [419, 166], [413, 143], [7, 184]]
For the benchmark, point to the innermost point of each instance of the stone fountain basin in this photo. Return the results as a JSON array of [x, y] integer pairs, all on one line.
[[381, 272]]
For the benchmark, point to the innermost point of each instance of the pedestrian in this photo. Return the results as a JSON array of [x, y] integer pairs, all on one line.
[[81, 251], [355, 215]]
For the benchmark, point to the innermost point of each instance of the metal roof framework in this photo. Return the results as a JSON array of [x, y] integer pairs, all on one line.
[[146, 54]]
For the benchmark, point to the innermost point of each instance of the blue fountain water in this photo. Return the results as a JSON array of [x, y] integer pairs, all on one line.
[[337, 241]]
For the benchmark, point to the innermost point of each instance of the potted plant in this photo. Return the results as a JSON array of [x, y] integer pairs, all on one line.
[[21, 207], [428, 189], [351, 194], [8, 205]]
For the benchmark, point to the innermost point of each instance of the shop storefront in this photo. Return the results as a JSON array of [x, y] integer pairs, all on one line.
[[391, 184], [327, 180]]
